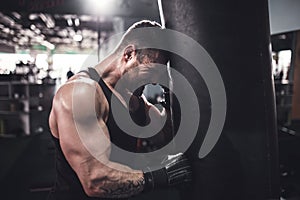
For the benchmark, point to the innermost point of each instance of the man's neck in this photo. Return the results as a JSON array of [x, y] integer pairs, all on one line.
[[109, 70]]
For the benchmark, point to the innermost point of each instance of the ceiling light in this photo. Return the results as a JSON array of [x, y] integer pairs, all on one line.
[[49, 21], [69, 21], [37, 31], [77, 22], [63, 33], [39, 39], [48, 45], [72, 32], [86, 18], [6, 30], [77, 37], [16, 15], [33, 16], [32, 26]]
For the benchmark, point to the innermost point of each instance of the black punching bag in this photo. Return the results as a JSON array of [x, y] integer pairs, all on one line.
[[243, 164]]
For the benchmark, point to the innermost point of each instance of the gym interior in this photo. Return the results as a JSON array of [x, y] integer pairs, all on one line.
[[252, 100]]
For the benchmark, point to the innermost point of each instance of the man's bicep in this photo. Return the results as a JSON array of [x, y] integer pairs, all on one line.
[[82, 148], [81, 132], [82, 141]]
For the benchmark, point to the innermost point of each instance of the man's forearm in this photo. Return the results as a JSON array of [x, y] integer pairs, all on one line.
[[118, 181], [114, 180], [128, 185]]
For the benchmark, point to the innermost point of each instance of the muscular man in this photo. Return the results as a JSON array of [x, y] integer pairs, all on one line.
[[83, 128]]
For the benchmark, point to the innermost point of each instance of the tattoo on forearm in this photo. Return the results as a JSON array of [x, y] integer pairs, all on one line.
[[126, 189]]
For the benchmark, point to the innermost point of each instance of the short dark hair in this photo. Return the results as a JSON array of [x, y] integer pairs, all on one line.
[[143, 24], [129, 38]]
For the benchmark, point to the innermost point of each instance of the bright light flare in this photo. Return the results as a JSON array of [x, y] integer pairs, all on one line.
[[102, 6]]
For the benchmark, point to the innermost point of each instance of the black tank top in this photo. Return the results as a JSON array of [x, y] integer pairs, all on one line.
[[67, 185]]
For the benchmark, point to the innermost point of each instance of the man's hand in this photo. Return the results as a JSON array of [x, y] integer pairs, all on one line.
[[176, 170]]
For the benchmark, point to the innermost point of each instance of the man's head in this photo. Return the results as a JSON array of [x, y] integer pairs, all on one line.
[[133, 42], [137, 57], [131, 38]]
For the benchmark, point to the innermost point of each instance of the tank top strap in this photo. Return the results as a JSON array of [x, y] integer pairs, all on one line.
[[96, 77]]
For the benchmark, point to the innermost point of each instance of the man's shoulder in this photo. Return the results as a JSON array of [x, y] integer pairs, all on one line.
[[79, 89]]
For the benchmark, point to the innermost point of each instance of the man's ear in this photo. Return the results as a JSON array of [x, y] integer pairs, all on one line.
[[129, 52]]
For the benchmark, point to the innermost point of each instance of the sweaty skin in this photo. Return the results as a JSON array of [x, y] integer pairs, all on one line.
[[75, 106], [99, 178]]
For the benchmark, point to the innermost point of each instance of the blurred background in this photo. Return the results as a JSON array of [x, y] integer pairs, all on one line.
[[42, 42]]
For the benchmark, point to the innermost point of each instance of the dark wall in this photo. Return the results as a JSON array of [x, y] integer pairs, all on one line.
[[244, 163]]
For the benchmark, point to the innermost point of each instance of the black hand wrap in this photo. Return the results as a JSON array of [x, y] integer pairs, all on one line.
[[176, 170]]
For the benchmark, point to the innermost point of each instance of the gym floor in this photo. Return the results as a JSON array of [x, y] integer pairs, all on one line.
[[27, 168]]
